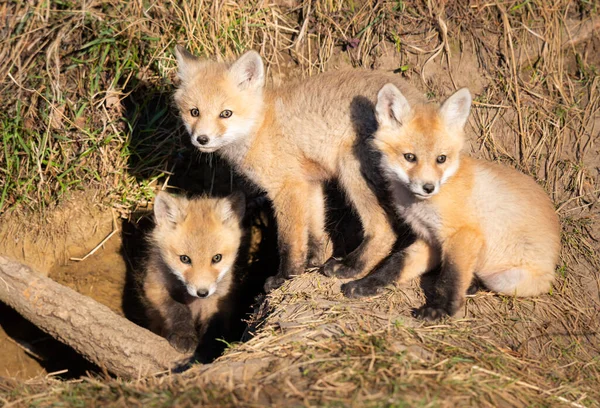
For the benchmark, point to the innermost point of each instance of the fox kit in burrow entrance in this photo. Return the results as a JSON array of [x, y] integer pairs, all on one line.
[[189, 273], [472, 216], [289, 140]]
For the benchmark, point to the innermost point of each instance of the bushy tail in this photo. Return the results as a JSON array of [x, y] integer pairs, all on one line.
[[523, 281]]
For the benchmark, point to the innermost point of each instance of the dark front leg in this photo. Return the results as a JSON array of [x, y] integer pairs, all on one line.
[[179, 327], [385, 273], [167, 312], [460, 254], [402, 265], [444, 300], [213, 334], [376, 221], [350, 266]]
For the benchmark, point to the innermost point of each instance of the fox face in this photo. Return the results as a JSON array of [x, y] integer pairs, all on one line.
[[219, 105], [198, 239], [420, 145]]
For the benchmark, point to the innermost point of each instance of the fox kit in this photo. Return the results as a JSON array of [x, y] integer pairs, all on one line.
[[289, 140], [473, 217], [193, 250]]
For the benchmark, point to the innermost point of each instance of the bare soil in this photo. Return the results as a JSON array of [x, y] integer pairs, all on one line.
[[72, 230], [533, 69]]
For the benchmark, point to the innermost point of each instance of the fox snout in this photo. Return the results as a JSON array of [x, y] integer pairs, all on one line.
[[203, 136], [428, 188], [201, 291], [205, 284], [424, 189], [203, 142], [202, 139]]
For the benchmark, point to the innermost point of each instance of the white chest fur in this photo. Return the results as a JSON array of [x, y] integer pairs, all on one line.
[[421, 215]]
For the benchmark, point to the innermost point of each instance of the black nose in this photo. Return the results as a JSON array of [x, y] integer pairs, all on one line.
[[202, 293], [202, 139], [428, 188]]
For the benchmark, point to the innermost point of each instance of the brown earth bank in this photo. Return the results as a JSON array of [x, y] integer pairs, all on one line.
[[50, 244], [533, 70]]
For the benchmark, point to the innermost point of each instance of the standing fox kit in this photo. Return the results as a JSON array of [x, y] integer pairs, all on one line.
[[473, 217], [289, 140], [193, 250]]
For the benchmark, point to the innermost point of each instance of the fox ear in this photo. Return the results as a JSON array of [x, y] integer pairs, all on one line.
[[186, 62], [169, 209], [455, 110], [234, 207], [248, 71], [392, 107]]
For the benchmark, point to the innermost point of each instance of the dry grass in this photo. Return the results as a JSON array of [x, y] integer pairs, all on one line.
[[87, 87]]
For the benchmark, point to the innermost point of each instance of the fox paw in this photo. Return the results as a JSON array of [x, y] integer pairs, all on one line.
[[430, 313], [335, 268], [358, 289], [475, 287], [273, 282], [183, 343], [315, 260], [318, 253]]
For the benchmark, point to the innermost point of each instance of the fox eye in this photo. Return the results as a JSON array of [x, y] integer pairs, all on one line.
[[441, 159], [185, 259], [411, 158], [217, 258], [194, 112], [226, 114]]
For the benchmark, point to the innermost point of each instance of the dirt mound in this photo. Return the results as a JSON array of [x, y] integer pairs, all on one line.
[[533, 71]]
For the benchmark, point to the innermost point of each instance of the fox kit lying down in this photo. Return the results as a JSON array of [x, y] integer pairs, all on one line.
[[193, 250], [472, 216], [289, 140]]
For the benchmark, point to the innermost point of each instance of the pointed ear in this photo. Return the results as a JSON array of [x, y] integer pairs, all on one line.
[[233, 207], [169, 209], [186, 62], [455, 110], [248, 71], [392, 107]]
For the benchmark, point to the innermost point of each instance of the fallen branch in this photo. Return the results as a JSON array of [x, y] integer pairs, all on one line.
[[92, 329]]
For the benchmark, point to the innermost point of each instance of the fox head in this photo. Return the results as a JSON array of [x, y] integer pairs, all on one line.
[[421, 144], [219, 104], [198, 239]]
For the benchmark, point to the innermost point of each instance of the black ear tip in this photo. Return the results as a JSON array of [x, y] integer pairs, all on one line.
[[182, 51]]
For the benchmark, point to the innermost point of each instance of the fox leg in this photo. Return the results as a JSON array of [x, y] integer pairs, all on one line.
[[168, 318], [460, 254], [291, 213], [319, 245], [400, 266], [379, 236]]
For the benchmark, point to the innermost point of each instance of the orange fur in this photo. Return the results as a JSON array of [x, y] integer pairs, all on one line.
[[200, 229], [288, 140], [479, 218]]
